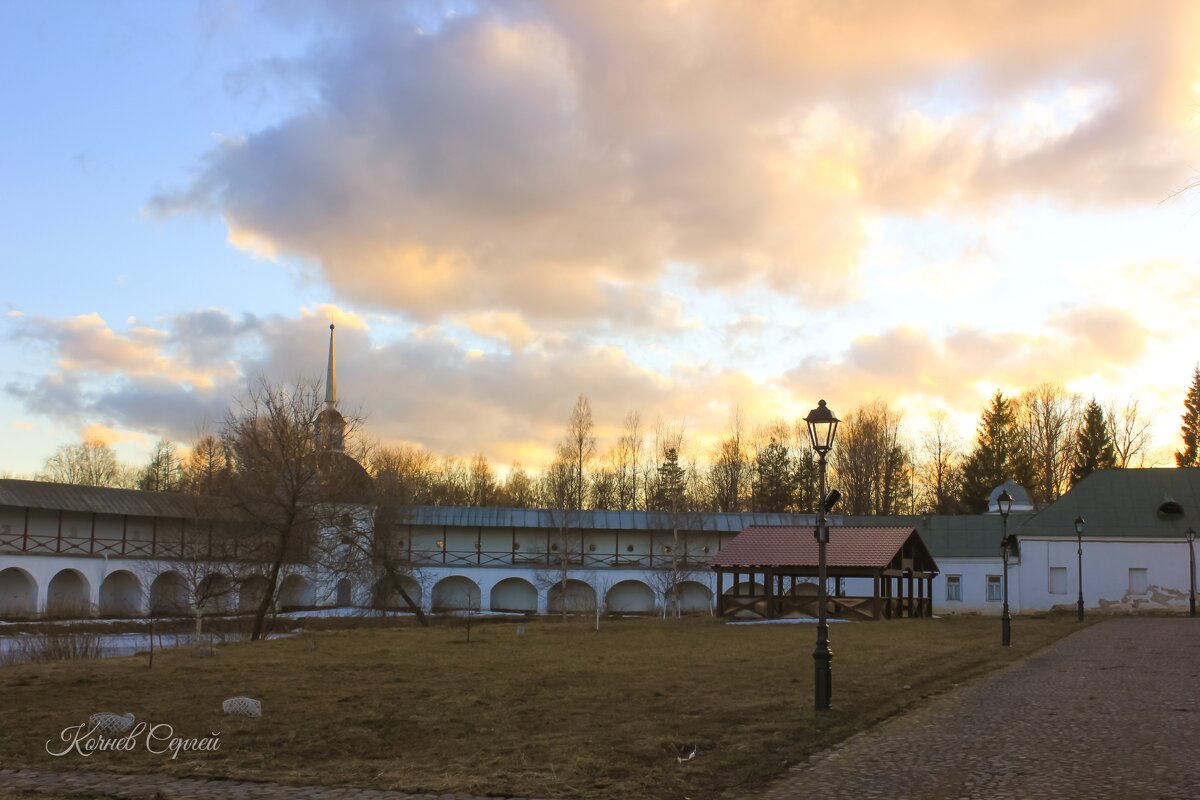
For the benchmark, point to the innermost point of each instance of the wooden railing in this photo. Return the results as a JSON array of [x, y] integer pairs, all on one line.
[[172, 546], [860, 608]]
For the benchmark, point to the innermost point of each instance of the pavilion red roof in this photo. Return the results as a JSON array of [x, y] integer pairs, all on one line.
[[795, 546]]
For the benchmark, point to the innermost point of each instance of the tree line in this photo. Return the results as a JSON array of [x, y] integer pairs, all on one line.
[[1046, 439]]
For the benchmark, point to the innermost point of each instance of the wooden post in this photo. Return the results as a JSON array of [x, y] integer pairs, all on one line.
[[920, 597], [770, 585], [58, 539], [25, 535], [910, 594], [153, 535], [720, 592], [875, 596], [92, 537], [124, 532]]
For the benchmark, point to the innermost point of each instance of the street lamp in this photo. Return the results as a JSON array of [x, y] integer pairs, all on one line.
[[822, 426], [1079, 522], [1190, 534], [1004, 503]]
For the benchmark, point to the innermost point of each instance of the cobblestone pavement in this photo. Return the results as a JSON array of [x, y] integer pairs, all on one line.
[[161, 787], [1112, 711]]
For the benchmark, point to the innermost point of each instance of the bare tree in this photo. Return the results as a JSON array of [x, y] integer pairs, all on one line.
[[204, 570], [728, 471], [285, 487], [451, 483], [627, 462], [519, 490], [872, 462], [90, 463], [481, 482], [1048, 418], [365, 545], [1130, 434], [164, 473], [410, 473], [206, 469], [558, 497], [604, 488], [940, 469], [578, 447]]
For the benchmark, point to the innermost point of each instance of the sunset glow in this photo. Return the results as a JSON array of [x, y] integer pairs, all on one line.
[[675, 208]]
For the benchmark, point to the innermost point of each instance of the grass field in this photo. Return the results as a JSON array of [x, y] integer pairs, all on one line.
[[561, 711]]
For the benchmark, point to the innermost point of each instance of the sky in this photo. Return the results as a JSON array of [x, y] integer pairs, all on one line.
[[675, 208]]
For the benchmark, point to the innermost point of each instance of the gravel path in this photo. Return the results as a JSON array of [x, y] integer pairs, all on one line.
[[1112, 711]]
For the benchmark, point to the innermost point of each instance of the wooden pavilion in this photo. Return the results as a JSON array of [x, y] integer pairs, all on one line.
[[766, 565]]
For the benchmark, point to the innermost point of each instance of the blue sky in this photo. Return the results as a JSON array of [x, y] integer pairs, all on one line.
[[699, 207]]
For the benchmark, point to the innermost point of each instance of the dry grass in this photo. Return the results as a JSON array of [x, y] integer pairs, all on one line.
[[559, 712]]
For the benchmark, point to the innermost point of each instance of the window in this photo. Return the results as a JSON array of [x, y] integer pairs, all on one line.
[[591, 548], [1058, 580], [1138, 580], [628, 548], [441, 545], [954, 587], [993, 588]]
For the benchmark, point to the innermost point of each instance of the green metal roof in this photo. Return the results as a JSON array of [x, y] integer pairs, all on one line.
[[1126, 503], [960, 536]]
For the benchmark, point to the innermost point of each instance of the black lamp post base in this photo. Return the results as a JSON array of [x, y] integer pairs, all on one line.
[[1005, 630], [1079, 610], [822, 677]]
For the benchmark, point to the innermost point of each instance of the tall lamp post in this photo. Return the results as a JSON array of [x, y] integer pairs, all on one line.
[[822, 426], [1079, 523], [1004, 503], [1191, 537]]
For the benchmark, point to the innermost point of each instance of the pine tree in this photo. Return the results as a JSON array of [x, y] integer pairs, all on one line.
[[669, 495], [775, 484], [1190, 430], [998, 455], [1093, 447]]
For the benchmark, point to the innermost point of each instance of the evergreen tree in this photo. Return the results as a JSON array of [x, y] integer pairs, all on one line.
[[1093, 446], [998, 455], [1189, 456], [775, 484], [669, 494]]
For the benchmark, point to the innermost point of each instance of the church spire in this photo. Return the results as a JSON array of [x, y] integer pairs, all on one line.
[[331, 426], [331, 376]]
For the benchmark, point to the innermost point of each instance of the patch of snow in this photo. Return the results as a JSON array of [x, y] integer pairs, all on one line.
[[790, 621]]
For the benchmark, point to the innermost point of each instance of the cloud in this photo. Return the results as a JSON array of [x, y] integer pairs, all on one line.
[[424, 388], [85, 344], [526, 158], [965, 363], [103, 434]]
